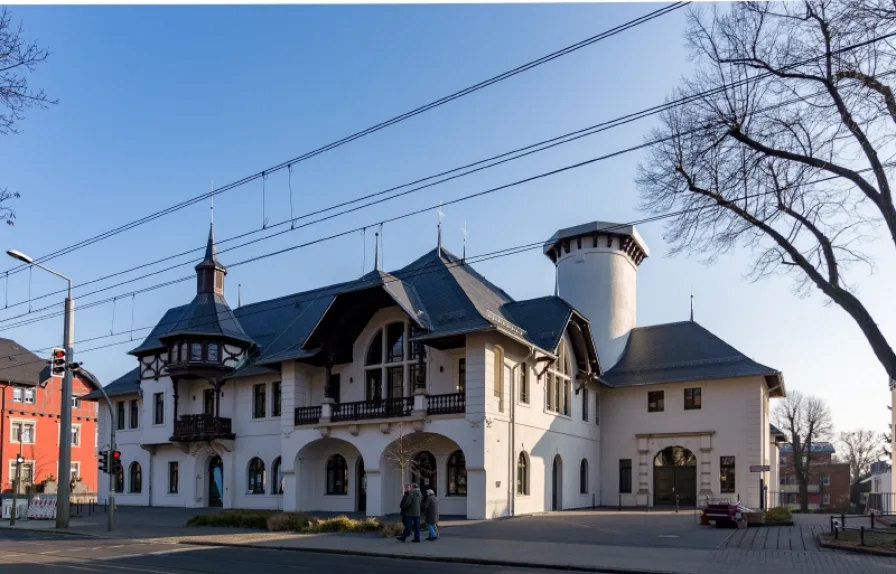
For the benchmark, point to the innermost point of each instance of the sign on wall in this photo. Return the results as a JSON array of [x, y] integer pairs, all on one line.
[[760, 468]]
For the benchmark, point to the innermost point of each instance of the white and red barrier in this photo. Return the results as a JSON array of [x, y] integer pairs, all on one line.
[[42, 509]]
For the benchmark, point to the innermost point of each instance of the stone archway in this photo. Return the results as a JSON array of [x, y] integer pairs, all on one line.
[[326, 473], [215, 482], [557, 483], [675, 477]]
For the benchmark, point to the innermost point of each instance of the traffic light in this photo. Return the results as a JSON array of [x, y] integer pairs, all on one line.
[[57, 362], [104, 461], [116, 461], [20, 460]]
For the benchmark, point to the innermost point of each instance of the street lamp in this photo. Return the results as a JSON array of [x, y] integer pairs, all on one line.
[[63, 496]]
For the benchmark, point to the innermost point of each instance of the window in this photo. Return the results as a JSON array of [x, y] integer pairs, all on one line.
[[159, 408], [655, 401], [18, 394], [390, 343], [625, 476], [208, 401], [522, 474], [826, 479], [692, 399], [195, 352], [277, 487], [26, 474], [597, 406], [23, 432], [213, 353], [118, 481], [726, 474], [135, 419], [256, 476], [558, 386], [258, 408], [76, 402], [29, 396], [395, 343], [457, 474], [549, 393], [119, 415], [277, 399], [499, 376], [76, 469], [135, 478], [826, 499], [337, 475], [336, 387], [585, 405], [183, 352], [374, 386], [567, 397], [375, 350], [395, 382], [76, 435], [462, 375], [172, 477], [524, 383], [583, 477], [423, 472]]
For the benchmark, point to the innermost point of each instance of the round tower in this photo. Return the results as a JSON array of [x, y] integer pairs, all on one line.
[[597, 267]]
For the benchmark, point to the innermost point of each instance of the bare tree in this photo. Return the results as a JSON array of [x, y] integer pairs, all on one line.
[[18, 59], [807, 421], [403, 451], [860, 448], [785, 144]]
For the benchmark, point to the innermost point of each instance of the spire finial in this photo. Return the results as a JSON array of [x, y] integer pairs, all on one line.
[[692, 306], [464, 231]]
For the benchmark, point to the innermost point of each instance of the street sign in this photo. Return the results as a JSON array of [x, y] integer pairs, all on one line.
[[760, 468]]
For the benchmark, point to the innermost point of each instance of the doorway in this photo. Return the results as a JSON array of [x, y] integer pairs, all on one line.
[[216, 482], [362, 485], [675, 477], [557, 484]]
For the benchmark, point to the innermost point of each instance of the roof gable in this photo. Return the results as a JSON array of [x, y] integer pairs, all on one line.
[[18, 365]]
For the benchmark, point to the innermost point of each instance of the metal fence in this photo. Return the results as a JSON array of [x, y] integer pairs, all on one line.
[[880, 502]]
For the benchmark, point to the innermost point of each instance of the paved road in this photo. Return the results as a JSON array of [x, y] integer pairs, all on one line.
[[34, 553]]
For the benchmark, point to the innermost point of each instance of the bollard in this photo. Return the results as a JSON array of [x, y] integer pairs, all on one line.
[[862, 536], [832, 524], [842, 519], [676, 503], [872, 519]]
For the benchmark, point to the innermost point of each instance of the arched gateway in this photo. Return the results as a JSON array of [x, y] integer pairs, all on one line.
[[675, 477]]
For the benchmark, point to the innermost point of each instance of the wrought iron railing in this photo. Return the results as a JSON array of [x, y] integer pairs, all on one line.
[[307, 415], [446, 404], [377, 409], [202, 426]]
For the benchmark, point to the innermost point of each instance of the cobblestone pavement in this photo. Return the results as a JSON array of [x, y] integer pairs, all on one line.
[[797, 537], [738, 561]]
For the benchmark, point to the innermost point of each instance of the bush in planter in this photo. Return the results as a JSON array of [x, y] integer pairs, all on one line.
[[777, 515]]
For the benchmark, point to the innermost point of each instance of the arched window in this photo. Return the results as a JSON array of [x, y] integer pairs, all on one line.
[[337, 475], [423, 472], [583, 477], [135, 478], [389, 361], [522, 474], [118, 481], [277, 487], [457, 474], [256, 476]]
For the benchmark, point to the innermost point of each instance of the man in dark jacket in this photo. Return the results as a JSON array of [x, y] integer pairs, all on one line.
[[403, 505], [413, 511], [431, 514]]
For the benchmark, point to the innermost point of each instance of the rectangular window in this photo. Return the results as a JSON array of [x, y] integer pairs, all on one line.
[[336, 387], [76, 435], [499, 377], [413, 369], [23, 432], [26, 474], [826, 499], [692, 399], [826, 479], [172, 477], [726, 474], [524, 383], [555, 384], [395, 382], [655, 401], [18, 394], [76, 402], [585, 405], [259, 394], [462, 375], [567, 397], [29, 396], [159, 408], [135, 414], [625, 475], [277, 399], [119, 414], [374, 387], [548, 394], [208, 402]]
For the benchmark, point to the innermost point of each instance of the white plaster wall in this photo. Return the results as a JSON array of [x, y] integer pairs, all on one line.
[[730, 410], [152, 433], [601, 283]]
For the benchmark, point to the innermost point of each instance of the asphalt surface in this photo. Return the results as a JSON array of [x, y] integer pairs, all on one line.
[[24, 552]]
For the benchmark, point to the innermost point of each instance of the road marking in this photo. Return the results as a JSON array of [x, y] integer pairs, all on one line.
[[11, 555], [668, 536]]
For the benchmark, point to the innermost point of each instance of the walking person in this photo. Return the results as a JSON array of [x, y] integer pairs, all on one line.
[[413, 512], [403, 505], [431, 512]]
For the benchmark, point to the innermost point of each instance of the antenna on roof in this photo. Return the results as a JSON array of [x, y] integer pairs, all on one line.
[[464, 231], [239, 295], [692, 306], [376, 252]]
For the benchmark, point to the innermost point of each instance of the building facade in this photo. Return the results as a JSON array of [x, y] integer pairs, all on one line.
[[332, 399], [29, 422], [829, 481]]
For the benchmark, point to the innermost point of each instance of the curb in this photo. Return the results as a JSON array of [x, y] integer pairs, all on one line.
[[52, 532], [446, 559], [819, 538]]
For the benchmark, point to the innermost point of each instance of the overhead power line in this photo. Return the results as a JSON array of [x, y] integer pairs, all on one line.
[[357, 135]]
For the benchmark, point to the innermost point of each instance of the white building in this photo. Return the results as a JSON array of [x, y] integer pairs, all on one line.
[[330, 400]]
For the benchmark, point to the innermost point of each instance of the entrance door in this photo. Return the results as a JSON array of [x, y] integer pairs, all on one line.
[[361, 481], [675, 477], [557, 484], [216, 482]]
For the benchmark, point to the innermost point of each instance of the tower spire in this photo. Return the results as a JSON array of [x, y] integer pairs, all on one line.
[[209, 272]]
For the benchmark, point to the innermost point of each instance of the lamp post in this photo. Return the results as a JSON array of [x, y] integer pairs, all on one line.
[[63, 496]]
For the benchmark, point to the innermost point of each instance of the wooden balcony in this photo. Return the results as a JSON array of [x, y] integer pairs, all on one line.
[[446, 404], [201, 427], [381, 409], [307, 415]]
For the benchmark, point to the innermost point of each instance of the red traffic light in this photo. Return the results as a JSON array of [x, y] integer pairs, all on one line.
[[59, 354], [116, 454]]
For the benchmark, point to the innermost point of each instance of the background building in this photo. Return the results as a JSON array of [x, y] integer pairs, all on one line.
[[829, 481]]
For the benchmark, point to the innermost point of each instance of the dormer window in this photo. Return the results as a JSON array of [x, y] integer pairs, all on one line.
[[183, 351], [213, 353], [196, 352]]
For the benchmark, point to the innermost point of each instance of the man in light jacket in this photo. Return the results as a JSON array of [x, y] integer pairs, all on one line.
[[431, 513]]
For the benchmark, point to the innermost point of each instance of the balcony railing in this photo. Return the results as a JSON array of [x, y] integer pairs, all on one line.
[[381, 409], [201, 427], [446, 404], [307, 415]]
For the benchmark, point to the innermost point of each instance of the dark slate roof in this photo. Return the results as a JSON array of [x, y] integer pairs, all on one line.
[[675, 352], [775, 431], [544, 319], [816, 447], [127, 384], [18, 365]]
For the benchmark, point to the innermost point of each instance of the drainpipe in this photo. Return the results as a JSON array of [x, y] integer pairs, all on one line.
[[2, 425], [511, 494]]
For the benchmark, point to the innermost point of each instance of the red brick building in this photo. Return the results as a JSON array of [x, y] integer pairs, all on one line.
[[30, 411], [828, 480]]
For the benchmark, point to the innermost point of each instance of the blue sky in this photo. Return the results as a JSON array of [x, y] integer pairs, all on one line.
[[155, 102]]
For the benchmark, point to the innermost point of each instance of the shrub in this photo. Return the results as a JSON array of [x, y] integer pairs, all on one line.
[[254, 519], [292, 522], [779, 514], [392, 529]]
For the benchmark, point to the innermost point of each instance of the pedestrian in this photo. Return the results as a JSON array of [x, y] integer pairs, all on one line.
[[431, 511], [413, 511], [403, 505]]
